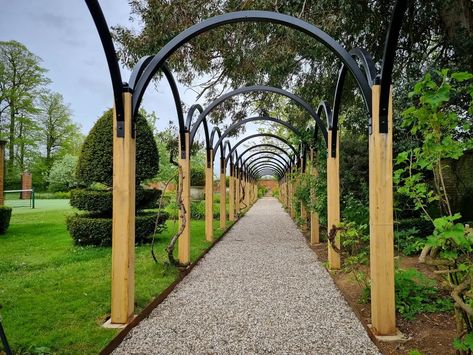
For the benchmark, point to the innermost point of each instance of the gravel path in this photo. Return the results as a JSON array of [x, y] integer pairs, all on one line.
[[260, 290]]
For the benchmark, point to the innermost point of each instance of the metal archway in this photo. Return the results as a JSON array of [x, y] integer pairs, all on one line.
[[255, 119], [268, 145], [251, 164], [263, 88], [267, 162], [296, 153], [276, 155]]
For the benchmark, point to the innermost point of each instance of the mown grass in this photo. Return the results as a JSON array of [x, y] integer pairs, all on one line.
[[56, 295]]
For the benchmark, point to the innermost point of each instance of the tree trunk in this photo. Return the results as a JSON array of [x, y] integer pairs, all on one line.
[[11, 139], [457, 22]]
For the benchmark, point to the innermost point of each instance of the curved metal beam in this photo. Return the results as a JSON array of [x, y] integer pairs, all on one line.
[[251, 16], [254, 119], [247, 160], [268, 159], [267, 170], [296, 153], [216, 131], [390, 46], [324, 107], [190, 114], [291, 159], [112, 61], [264, 88], [259, 162], [268, 164]]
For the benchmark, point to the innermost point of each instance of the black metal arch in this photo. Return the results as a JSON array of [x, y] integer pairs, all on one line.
[[216, 131], [254, 119], [324, 107], [267, 170], [263, 88], [291, 159], [296, 153], [251, 16], [208, 145], [259, 161], [268, 164], [247, 160]]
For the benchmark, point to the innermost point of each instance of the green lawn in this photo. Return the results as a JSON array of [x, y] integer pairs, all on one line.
[[55, 295]]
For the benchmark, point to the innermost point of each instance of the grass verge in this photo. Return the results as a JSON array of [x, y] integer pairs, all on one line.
[[56, 295]]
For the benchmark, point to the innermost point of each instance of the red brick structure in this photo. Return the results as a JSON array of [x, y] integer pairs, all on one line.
[[26, 184], [269, 184]]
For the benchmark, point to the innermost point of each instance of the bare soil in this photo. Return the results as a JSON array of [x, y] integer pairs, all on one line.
[[429, 333]]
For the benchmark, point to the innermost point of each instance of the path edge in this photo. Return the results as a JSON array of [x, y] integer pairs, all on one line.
[[146, 311]]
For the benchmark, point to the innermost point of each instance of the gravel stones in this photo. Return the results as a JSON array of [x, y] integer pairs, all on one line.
[[260, 290]]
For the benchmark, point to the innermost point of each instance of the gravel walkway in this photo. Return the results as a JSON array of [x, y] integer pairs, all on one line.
[[260, 290]]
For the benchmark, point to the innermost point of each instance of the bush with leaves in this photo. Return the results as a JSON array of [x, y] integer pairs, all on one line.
[[62, 175], [95, 169]]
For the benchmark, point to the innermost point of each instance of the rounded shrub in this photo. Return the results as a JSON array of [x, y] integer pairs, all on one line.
[[101, 201], [96, 159], [5, 216], [88, 229]]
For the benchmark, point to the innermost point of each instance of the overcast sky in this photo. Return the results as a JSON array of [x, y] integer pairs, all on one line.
[[63, 35]]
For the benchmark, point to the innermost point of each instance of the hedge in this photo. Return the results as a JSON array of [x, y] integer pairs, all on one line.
[[87, 229], [5, 216], [95, 162], [101, 201], [197, 177]]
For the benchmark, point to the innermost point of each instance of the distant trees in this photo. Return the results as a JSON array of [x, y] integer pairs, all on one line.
[[36, 122]]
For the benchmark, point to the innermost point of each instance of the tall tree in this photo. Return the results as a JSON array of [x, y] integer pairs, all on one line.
[[21, 80], [56, 129]]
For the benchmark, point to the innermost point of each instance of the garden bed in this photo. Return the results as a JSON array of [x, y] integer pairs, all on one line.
[[428, 333]]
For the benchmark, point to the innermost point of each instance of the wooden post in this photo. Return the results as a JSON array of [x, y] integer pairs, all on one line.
[[381, 223], [223, 195], [2, 171], [237, 192], [303, 209], [333, 201], [231, 196], [185, 238], [247, 192], [314, 216], [123, 218], [209, 198], [291, 197]]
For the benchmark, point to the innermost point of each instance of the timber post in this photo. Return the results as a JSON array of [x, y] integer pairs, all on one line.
[[231, 194], [223, 195], [209, 200], [383, 313], [123, 216], [314, 216], [237, 191], [184, 238], [2, 171], [333, 201], [303, 208]]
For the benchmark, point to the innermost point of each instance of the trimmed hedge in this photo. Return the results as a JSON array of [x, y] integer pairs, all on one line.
[[101, 201], [5, 216], [87, 229], [95, 162]]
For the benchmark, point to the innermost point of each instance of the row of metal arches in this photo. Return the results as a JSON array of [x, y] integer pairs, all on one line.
[[374, 88]]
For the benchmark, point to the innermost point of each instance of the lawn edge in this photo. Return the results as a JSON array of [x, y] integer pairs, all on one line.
[[116, 341]]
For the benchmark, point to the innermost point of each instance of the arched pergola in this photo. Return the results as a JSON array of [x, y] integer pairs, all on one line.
[[375, 91]]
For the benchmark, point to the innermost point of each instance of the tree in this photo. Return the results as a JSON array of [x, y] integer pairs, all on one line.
[[57, 131], [21, 81], [62, 174]]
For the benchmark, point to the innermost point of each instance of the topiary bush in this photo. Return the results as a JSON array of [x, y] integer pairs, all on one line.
[[94, 171], [89, 229], [96, 159], [5, 216], [100, 201]]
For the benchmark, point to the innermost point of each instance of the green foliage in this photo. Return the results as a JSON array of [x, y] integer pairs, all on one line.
[[100, 201], [355, 244], [95, 162], [197, 176], [5, 215], [88, 229], [355, 210], [62, 174], [415, 293], [262, 191], [441, 117], [408, 242], [424, 227], [464, 344], [276, 192], [198, 209]]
